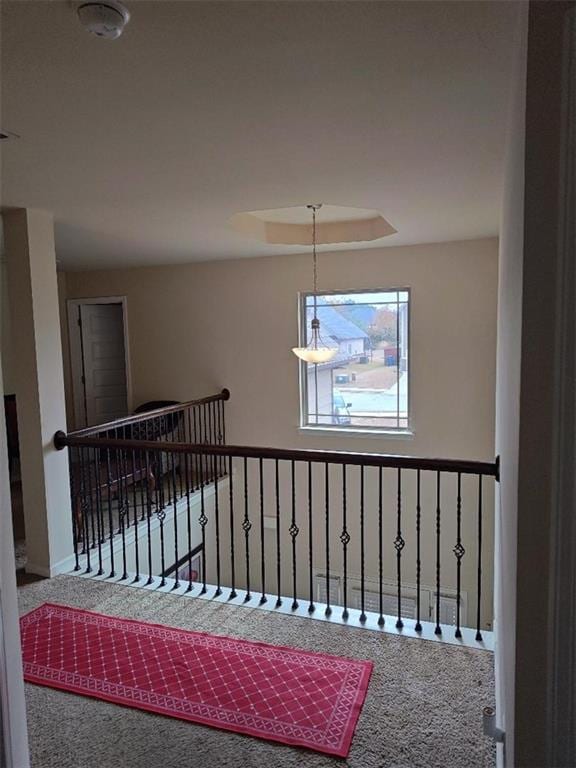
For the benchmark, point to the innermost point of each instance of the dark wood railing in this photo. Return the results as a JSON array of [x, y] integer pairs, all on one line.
[[99, 476], [363, 519], [210, 412]]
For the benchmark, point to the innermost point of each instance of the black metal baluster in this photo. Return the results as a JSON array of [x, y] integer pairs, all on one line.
[[263, 597], [182, 475], [345, 540], [130, 459], [172, 459], [195, 440], [99, 509], [80, 507], [399, 545], [311, 607], [190, 485], [84, 507], [459, 552], [185, 438], [233, 592], [125, 479], [175, 508], [246, 525], [188, 470], [123, 513], [362, 552], [418, 626], [205, 441], [217, 524], [222, 403], [293, 530], [156, 465], [167, 437], [92, 502], [161, 515], [219, 434], [162, 435], [110, 518], [278, 550], [479, 576], [143, 482], [75, 496], [328, 610], [203, 520], [189, 439], [200, 440], [222, 427], [380, 550], [208, 424], [149, 508], [438, 628], [122, 517], [101, 489], [135, 504]]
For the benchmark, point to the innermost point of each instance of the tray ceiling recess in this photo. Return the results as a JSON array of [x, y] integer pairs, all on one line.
[[291, 226]]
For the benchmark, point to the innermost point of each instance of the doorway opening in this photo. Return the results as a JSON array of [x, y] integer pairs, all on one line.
[[99, 359]]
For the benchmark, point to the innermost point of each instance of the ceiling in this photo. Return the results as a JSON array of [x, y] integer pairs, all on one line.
[[144, 147]]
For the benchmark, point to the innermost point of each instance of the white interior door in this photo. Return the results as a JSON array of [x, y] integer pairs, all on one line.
[[104, 362]]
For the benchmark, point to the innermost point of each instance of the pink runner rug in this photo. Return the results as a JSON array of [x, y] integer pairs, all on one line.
[[307, 699]]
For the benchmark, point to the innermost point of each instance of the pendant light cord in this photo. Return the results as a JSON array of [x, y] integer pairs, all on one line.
[[314, 258]]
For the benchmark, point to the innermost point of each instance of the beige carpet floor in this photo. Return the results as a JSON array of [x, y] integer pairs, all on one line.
[[423, 706]]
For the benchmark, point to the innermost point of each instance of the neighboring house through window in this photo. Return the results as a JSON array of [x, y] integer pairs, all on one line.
[[365, 386]]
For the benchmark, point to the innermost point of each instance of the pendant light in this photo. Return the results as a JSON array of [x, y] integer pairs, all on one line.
[[317, 350]]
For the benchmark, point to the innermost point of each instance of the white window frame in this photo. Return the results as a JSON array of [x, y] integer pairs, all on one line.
[[363, 431]]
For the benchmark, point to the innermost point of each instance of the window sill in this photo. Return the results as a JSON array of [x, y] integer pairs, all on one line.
[[405, 434]]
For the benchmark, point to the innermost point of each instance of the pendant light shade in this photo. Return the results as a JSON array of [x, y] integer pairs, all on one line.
[[317, 350]]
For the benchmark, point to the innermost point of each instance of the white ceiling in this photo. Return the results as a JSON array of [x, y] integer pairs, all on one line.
[[145, 146]]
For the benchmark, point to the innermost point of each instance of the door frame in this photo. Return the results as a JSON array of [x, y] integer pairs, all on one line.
[[13, 724], [561, 704], [76, 362]]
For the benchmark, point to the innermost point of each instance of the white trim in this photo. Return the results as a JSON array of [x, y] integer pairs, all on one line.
[[62, 566], [561, 709], [468, 639], [73, 306], [303, 367], [14, 733], [195, 501], [380, 434]]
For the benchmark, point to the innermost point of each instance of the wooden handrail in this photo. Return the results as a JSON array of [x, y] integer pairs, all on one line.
[[135, 419], [73, 440]]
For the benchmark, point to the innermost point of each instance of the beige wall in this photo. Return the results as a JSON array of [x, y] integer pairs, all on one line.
[[197, 328], [65, 348], [6, 332], [39, 386]]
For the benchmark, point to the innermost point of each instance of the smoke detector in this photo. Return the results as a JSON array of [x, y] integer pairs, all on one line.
[[106, 19]]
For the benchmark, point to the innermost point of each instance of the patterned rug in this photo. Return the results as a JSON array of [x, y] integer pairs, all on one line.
[[281, 694]]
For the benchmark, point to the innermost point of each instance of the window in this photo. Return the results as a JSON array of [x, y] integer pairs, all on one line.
[[365, 386]]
